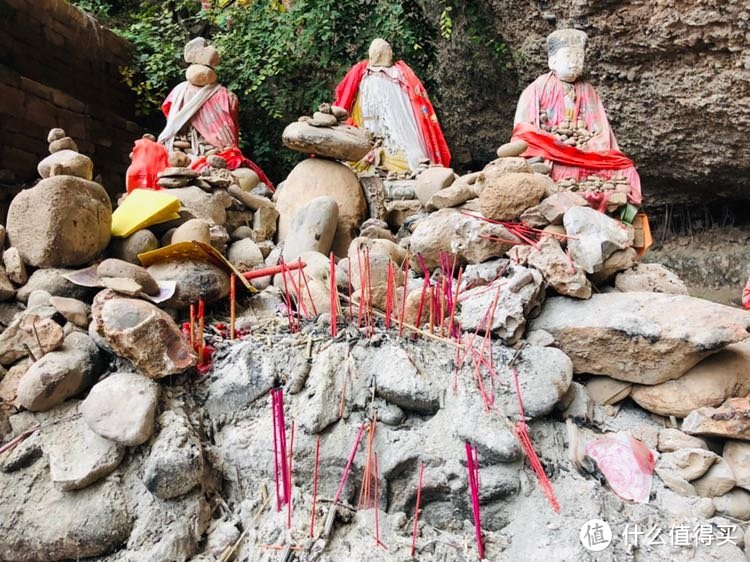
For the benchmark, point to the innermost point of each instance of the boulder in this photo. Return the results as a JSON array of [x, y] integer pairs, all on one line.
[[315, 178], [593, 237], [342, 142], [175, 463], [120, 269], [60, 374], [730, 420], [245, 255], [645, 338], [122, 408], [517, 296], [466, 237], [62, 221], [142, 333], [77, 456], [202, 205], [558, 269], [66, 162], [505, 197], [195, 280], [313, 228], [671, 439], [717, 481], [432, 180], [650, 277], [723, 375], [140, 242]]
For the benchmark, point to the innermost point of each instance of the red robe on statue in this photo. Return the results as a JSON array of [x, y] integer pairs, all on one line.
[[427, 121]]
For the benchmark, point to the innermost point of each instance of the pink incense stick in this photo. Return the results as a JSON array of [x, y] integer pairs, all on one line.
[[291, 481], [334, 299], [416, 511], [275, 450], [404, 294], [473, 470], [348, 465], [315, 487]]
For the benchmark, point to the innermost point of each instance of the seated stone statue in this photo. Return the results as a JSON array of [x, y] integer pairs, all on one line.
[[562, 119], [388, 99], [202, 120]]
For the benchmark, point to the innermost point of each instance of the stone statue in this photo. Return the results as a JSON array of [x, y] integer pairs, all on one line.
[[202, 120], [389, 100], [562, 119]]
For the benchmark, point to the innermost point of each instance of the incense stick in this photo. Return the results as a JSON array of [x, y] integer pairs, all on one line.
[[348, 466], [416, 510], [334, 299], [473, 470], [232, 304], [315, 487]]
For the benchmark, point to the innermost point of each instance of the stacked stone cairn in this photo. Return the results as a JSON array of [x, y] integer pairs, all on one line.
[[110, 421]]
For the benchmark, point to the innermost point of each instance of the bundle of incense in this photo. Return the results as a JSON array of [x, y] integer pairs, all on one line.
[[232, 304], [416, 510], [315, 487], [281, 465], [473, 469], [522, 433], [334, 298]]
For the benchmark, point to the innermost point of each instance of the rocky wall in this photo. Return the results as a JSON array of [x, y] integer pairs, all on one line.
[[59, 68], [674, 76]]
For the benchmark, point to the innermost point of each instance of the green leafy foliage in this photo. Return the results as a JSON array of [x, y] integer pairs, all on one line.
[[281, 58]]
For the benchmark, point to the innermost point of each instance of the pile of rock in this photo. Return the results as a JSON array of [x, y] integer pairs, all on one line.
[[570, 133]]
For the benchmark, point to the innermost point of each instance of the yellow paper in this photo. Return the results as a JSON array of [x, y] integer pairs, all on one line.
[[143, 208]]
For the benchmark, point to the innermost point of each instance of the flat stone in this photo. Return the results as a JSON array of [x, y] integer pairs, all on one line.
[[122, 408], [606, 391], [514, 148], [142, 333], [73, 310], [66, 162], [671, 439], [646, 338], [713, 380], [77, 456], [650, 277], [342, 142], [194, 280], [114, 268]]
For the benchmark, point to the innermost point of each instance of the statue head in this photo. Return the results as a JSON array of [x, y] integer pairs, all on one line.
[[566, 49], [203, 59], [380, 53]]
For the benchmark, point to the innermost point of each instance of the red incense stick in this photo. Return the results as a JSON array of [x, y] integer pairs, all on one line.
[[416, 510], [315, 487]]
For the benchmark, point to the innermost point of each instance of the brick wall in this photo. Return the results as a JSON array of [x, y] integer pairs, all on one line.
[[59, 68]]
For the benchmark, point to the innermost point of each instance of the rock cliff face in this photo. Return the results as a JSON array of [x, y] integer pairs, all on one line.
[[674, 76]]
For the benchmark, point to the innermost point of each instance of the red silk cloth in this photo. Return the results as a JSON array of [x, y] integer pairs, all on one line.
[[149, 159], [427, 121]]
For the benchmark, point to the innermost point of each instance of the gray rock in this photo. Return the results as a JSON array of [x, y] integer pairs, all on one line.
[[66, 162], [554, 207], [735, 504], [121, 269], [122, 408], [731, 419], [717, 481], [646, 338], [7, 290], [49, 524], [195, 280], [264, 223], [77, 456], [312, 229], [671, 439], [202, 205], [519, 296], [505, 197], [737, 456], [30, 331], [448, 230], [323, 390], [689, 464], [432, 180], [62, 221], [60, 374], [510, 149], [139, 242], [544, 377], [245, 255], [342, 142], [194, 229], [72, 310], [175, 463], [593, 237], [52, 281], [558, 271], [650, 277]]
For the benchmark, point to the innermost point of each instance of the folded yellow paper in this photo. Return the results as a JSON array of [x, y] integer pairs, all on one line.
[[143, 208]]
